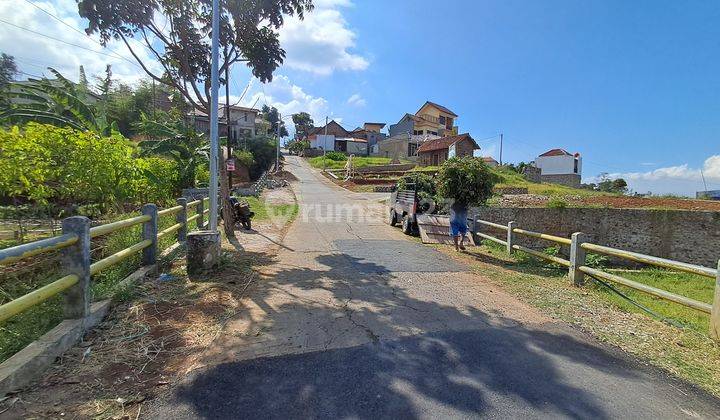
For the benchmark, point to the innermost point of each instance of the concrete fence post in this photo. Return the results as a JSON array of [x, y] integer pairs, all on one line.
[[150, 231], [201, 214], [76, 260], [715, 311], [510, 238], [577, 258], [474, 226], [181, 217]]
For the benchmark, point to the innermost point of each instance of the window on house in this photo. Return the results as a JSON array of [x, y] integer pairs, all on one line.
[[575, 167], [417, 132], [441, 120], [412, 149], [245, 116]]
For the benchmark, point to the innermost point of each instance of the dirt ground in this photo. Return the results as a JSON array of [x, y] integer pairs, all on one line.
[[154, 335], [620, 202]]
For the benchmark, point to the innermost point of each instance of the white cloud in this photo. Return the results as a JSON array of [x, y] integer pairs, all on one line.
[[322, 42], [34, 53], [356, 100], [287, 97], [680, 179]]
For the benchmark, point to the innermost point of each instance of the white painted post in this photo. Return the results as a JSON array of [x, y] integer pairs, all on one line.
[[715, 311], [510, 238], [577, 258], [150, 231], [76, 260], [181, 217]]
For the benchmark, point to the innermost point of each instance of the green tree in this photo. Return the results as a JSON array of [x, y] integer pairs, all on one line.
[[466, 180], [607, 184], [303, 123], [298, 146], [272, 116], [8, 70], [248, 33]]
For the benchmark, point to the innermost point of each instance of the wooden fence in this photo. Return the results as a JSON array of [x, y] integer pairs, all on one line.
[[577, 270]]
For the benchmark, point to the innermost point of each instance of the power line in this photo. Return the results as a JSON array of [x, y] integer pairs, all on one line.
[[75, 29], [65, 42]]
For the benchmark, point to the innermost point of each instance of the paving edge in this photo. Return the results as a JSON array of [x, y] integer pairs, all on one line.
[[28, 364]]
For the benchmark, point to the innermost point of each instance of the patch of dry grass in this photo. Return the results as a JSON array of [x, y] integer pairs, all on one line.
[[685, 352]]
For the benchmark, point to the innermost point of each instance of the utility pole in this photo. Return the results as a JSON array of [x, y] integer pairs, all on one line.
[[325, 143], [277, 133], [228, 148], [214, 146], [501, 141]]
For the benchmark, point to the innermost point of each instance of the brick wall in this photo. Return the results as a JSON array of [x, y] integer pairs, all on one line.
[[688, 236]]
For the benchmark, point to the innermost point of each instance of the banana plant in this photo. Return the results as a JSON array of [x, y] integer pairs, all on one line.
[[58, 102], [177, 141]]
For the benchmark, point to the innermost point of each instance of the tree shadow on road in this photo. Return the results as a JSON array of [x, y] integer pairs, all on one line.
[[381, 350]]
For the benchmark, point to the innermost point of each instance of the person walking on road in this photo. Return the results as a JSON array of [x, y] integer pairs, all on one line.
[[458, 224]]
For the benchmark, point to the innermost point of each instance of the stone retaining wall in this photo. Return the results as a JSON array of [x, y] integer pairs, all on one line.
[[688, 236]]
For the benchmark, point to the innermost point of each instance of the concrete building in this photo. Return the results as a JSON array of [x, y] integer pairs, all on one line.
[[330, 143], [435, 152], [557, 166], [431, 119], [370, 132], [489, 161], [401, 146], [242, 121]]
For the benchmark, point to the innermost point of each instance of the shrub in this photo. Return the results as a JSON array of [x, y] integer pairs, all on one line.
[[42, 163], [336, 156], [466, 180], [263, 152], [556, 203], [425, 185]]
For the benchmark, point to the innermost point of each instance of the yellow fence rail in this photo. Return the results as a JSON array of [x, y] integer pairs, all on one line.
[[75, 259], [577, 269]]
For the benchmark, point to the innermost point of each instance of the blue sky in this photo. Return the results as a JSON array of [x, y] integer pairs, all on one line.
[[634, 86]]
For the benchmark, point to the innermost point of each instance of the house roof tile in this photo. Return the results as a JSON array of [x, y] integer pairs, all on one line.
[[556, 152], [444, 143], [438, 106]]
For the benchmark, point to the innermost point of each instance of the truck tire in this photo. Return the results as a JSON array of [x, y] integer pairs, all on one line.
[[392, 219], [407, 225]]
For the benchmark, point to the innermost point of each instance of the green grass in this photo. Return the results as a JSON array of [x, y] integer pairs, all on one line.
[[510, 178], [263, 210], [358, 161], [26, 327], [682, 347], [683, 284]]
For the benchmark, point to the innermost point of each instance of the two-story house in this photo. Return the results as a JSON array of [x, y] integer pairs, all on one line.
[[242, 121], [431, 119]]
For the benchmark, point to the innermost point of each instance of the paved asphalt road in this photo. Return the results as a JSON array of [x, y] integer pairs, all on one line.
[[355, 321]]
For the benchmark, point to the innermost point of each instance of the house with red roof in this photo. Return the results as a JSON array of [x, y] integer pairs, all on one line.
[[435, 152]]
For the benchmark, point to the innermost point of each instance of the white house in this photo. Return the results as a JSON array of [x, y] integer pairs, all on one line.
[[557, 166]]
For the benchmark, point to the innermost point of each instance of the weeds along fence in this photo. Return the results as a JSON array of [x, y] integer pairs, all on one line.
[[74, 245], [577, 268]]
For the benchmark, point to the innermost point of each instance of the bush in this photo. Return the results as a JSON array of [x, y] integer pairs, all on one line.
[[336, 156], [556, 203], [425, 185], [466, 180], [263, 152], [42, 163]]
